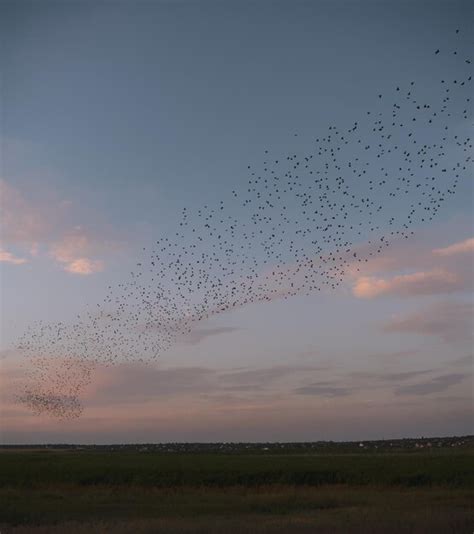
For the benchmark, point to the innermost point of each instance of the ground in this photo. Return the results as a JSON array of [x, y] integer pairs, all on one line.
[[241, 490]]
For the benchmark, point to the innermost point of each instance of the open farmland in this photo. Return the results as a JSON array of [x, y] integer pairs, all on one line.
[[300, 489]]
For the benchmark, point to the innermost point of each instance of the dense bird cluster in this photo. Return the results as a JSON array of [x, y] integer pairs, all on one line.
[[297, 226]]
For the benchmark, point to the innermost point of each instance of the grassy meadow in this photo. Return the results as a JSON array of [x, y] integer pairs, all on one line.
[[79, 491]]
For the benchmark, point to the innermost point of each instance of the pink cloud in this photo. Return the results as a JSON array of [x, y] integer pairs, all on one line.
[[37, 226], [75, 251], [434, 270], [419, 283], [70, 247], [84, 266], [8, 257], [457, 248], [370, 273]]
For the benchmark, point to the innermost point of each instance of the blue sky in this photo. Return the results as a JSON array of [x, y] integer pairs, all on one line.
[[116, 115]]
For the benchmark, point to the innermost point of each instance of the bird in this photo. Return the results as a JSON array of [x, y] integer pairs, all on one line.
[[296, 224]]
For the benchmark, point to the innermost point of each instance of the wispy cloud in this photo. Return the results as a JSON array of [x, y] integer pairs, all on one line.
[[8, 257], [463, 361], [435, 385], [267, 375], [462, 247], [84, 266], [196, 336], [389, 377], [396, 356], [324, 389], [75, 251], [419, 283], [359, 383], [38, 227], [451, 321], [139, 382]]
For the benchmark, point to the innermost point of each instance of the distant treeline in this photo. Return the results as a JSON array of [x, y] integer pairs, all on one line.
[[390, 445]]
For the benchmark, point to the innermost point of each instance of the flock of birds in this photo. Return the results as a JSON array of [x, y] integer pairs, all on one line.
[[299, 224]]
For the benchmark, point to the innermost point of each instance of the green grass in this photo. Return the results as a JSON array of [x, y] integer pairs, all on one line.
[[148, 492], [35, 469]]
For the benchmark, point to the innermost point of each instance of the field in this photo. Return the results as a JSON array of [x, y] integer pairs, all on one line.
[[259, 490]]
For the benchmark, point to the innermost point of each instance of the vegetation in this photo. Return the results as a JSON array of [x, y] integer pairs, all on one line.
[[87, 491]]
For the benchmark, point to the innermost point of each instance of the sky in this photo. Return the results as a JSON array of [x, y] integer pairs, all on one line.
[[116, 115]]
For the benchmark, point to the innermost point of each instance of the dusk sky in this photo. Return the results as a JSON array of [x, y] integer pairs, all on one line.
[[117, 115]]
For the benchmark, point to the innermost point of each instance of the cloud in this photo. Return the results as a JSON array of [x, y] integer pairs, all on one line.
[[74, 250], [84, 266], [391, 377], [196, 336], [21, 222], [136, 402], [140, 382], [463, 361], [396, 355], [357, 382], [435, 385], [324, 389], [419, 283], [451, 321], [457, 248], [400, 377], [45, 225], [265, 376], [434, 270], [8, 257]]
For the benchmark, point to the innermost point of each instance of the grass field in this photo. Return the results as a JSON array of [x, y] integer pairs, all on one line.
[[89, 491]]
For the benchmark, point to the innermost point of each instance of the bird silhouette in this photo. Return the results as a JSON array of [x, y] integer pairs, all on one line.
[[294, 226]]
